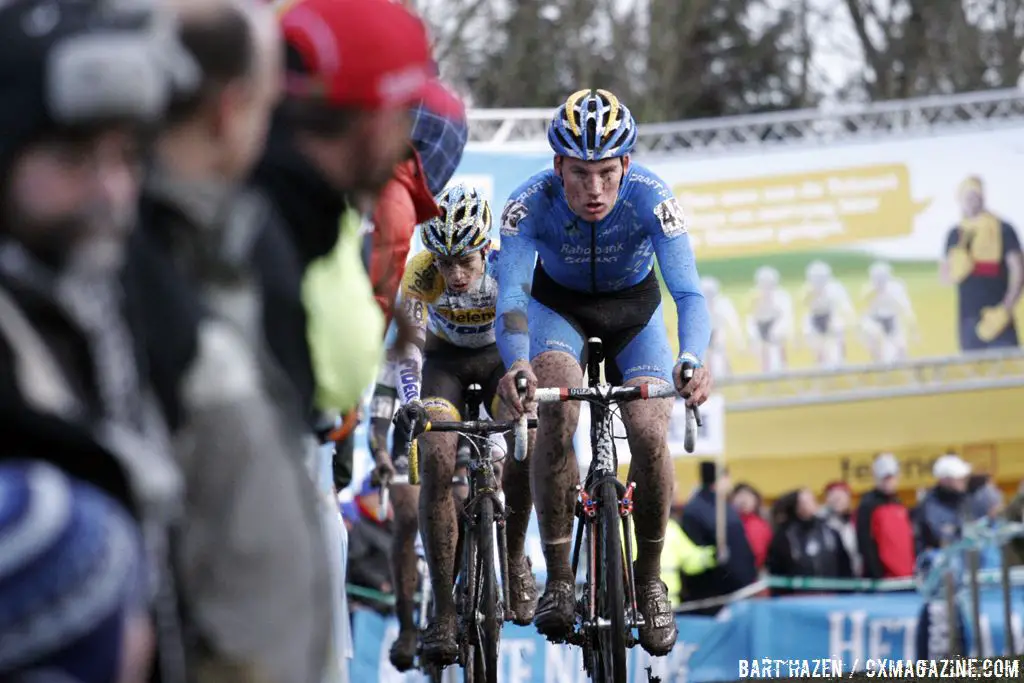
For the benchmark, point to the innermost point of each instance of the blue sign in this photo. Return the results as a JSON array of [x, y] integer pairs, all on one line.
[[848, 629]]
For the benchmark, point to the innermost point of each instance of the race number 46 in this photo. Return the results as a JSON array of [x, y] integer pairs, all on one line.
[[671, 217]]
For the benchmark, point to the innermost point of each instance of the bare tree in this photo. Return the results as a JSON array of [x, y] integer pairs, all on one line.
[[668, 59], [925, 47]]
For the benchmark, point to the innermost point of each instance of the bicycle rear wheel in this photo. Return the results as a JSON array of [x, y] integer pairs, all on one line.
[[488, 622], [609, 649]]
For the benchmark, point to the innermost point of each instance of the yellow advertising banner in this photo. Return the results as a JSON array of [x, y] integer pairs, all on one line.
[[780, 449], [856, 253], [799, 211]]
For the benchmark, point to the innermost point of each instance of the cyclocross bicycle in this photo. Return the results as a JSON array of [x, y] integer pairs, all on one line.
[[481, 607], [606, 612]]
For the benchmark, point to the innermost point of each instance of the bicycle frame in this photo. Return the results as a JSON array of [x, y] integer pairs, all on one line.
[[602, 471], [482, 505], [603, 467], [483, 483]]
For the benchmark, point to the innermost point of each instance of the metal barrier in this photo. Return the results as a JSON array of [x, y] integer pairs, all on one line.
[[982, 370]]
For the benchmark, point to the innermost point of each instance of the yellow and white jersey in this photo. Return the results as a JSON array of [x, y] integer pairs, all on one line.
[[466, 319]]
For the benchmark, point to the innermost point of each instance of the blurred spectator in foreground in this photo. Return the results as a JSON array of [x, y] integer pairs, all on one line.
[[885, 537], [804, 544], [341, 129], [72, 582], [254, 577], [699, 524], [81, 86], [438, 138], [838, 514], [939, 518], [369, 545], [747, 501]]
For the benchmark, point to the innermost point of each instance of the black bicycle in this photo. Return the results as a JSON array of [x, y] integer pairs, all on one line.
[[482, 608], [606, 612]]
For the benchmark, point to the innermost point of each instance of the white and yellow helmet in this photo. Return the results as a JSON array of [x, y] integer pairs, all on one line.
[[464, 225]]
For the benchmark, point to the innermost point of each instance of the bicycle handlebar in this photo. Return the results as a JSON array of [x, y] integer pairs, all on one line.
[[477, 427], [607, 394], [523, 424], [480, 427]]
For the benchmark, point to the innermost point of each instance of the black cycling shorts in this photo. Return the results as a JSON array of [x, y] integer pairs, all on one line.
[[448, 370], [618, 318]]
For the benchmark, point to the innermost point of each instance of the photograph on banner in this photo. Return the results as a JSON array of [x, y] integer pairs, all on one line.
[[869, 253]]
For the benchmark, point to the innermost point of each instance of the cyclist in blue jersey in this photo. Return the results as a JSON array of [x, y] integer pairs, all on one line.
[[597, 222]]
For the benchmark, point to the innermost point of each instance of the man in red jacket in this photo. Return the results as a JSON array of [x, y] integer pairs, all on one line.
[[405, 203], [885, 536], [439, 135]]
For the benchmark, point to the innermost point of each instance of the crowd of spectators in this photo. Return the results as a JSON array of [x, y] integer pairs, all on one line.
[[802, 537]]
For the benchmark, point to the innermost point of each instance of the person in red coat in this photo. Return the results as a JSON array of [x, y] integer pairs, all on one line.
[[747, 502]]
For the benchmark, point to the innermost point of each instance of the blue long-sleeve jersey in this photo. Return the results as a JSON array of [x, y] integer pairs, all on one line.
[[612, 254]]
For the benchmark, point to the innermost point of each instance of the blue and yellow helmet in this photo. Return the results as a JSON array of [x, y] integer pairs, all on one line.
[[592, 125], [464, 225]]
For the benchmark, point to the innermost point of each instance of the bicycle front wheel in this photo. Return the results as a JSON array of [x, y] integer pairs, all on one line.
[[488, 622], [610, 640]]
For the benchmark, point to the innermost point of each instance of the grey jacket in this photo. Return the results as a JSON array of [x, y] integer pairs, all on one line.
[[251, 557]]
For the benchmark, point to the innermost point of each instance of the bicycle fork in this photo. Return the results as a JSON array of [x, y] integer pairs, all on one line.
[[586, 510], [634, 618]]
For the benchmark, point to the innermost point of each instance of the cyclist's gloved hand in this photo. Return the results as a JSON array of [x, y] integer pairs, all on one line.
[[384, 470], [411, 414], [509, 393], [695, 389]]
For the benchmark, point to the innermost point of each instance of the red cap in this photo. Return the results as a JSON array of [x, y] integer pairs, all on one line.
[[371, 54]]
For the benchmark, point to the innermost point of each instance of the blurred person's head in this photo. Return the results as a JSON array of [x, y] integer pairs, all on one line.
[[72, 582], [886, 472], [879, 273], [971, 194], [838, 497], [440, 132], [766, 278], [985, 499], [82, 86], [355, 68], [592, 135], [459, 237], [806, 504], [221, 126], [746, 499], [711, 479], [951, 472], [784, 509], [818, 274]]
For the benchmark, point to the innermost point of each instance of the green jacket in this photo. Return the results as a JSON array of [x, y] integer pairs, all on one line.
[[680, 556], [345, 325]]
